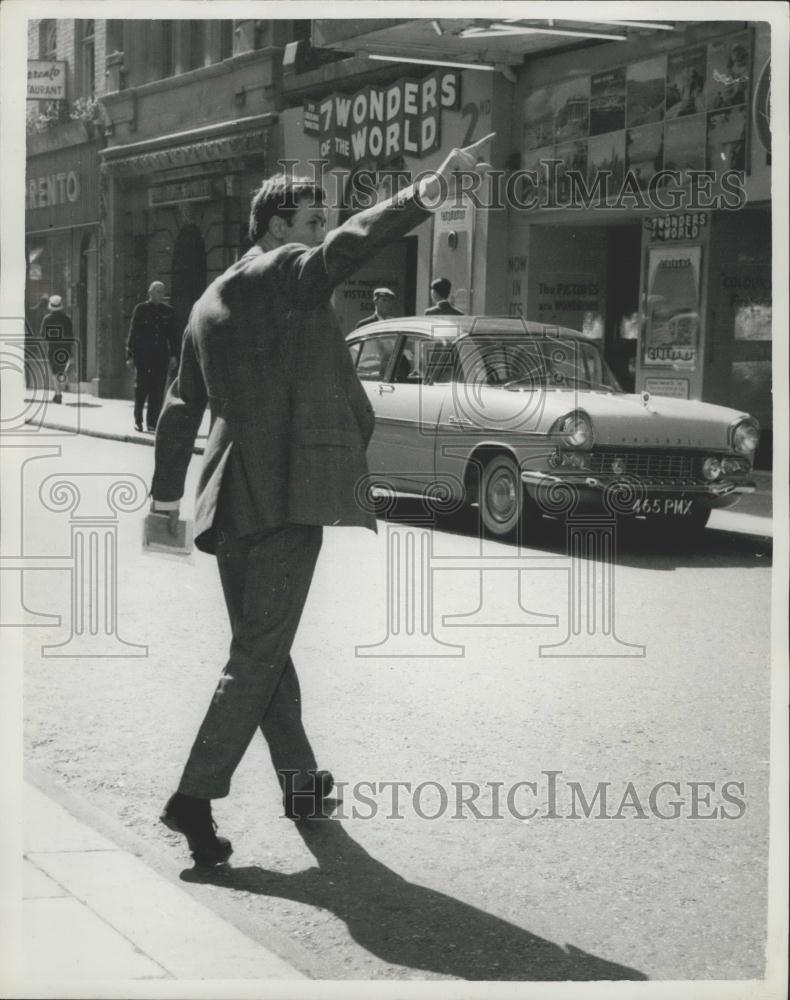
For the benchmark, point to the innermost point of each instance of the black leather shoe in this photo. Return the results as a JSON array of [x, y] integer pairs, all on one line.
[[192, 817], [138, 427], [306, 801]]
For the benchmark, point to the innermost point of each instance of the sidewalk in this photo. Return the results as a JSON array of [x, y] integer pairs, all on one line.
[[104, 418], [113, 418], [92, 911]]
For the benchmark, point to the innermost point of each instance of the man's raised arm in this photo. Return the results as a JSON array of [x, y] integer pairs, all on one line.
[[314, 274]]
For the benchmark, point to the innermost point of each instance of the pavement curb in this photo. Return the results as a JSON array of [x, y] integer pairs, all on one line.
[[150, 442], [285, 950]]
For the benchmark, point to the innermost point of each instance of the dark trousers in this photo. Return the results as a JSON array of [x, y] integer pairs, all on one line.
[[149, 385], [265, 578]]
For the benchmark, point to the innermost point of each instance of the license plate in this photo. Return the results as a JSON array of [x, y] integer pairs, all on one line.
[[663, 506]]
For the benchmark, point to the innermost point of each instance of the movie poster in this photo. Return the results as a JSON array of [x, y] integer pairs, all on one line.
[[729, 70], [535, 161], [646, 91], [686, 75], [607, 153], [644, 152], [607, 101], [684, 144], [538, 120], [727, 140], [672, 330], [572, 156], [570, 102]]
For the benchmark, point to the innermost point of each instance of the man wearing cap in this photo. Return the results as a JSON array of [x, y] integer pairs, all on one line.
[[152, 346], [383, 307], [57, 332]]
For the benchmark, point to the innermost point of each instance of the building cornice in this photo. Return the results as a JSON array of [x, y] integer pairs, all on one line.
[[209, 143]]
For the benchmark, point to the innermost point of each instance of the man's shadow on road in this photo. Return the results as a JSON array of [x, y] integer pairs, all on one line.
[[410, 925]]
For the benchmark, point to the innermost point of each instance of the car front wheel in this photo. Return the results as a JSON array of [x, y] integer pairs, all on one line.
[[501, 495]]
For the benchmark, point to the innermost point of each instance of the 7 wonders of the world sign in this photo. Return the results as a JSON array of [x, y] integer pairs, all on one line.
[[381, 124]]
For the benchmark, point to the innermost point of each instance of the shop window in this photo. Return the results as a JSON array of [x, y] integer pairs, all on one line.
[[48, 40], [87, 58]]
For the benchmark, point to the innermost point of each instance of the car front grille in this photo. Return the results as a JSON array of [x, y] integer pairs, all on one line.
[[661, 464]]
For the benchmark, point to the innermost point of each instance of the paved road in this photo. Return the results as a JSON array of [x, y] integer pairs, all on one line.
[[540, 897]]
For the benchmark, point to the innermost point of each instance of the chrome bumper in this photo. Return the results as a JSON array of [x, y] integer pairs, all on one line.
[[714, 491]]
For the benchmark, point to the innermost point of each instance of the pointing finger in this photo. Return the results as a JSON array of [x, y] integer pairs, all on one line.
[[480, 142]]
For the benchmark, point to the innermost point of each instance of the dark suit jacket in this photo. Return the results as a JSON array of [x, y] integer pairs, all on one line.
[[443, 308], [264, 350], [366, 320], [152, 334]]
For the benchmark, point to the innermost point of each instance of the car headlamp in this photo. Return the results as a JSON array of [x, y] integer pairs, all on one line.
[[576, 431], [746, 436]]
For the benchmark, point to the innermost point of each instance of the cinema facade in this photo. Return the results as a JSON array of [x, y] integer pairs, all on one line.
[[671, 272], [667, 264]]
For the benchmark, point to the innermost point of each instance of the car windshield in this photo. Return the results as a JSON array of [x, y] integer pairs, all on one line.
[[519, 362]]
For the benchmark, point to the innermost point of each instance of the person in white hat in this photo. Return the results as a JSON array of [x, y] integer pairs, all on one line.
[[384, 302], [57, 332]]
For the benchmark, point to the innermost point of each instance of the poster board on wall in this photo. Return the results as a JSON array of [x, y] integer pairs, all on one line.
[[671, 335]]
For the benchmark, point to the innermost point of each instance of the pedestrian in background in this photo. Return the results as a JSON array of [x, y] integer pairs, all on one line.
[[57, 331], [383, 307], [152, 347], [440, 296], [33, 352]]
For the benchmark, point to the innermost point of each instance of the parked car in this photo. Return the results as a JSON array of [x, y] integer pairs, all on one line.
[[523, 418]]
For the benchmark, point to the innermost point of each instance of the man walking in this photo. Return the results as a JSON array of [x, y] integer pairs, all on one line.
[[152, 346], [290, 425], [383, 307], [440, 296], [58, 334]]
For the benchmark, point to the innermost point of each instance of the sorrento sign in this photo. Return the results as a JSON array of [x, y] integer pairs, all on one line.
[[46, 80], [380, 124]]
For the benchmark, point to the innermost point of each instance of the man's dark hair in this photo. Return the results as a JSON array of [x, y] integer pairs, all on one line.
[[442, 287], [280, 195]]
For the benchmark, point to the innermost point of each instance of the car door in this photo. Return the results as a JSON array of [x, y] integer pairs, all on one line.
[[410, 410], [373, 357]]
